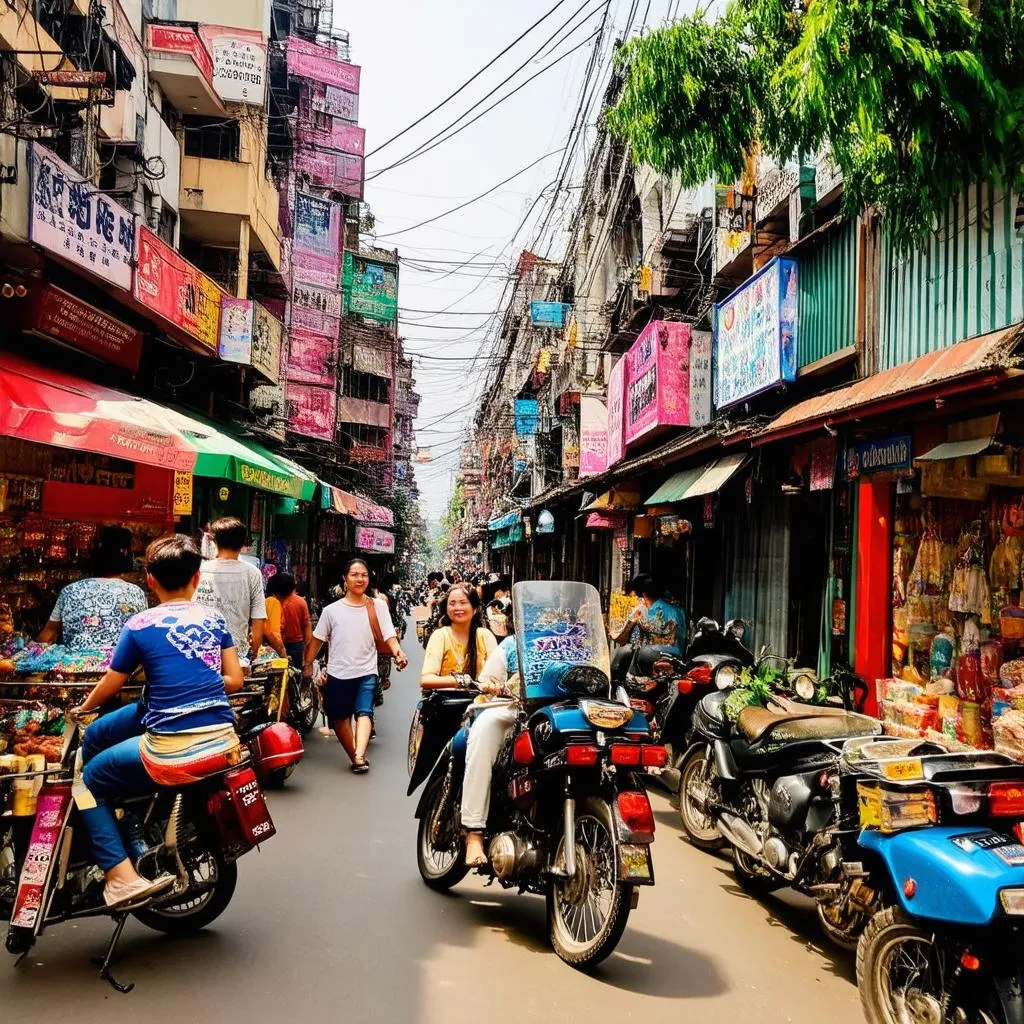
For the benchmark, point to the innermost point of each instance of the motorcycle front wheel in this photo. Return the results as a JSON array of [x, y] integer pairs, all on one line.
[[902, 975], [440, 847], [212, 886], [304, 705], [695, 783], [587, 913]]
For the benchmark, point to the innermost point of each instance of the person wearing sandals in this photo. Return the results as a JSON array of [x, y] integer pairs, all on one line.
[[353, 627], [456, 653]]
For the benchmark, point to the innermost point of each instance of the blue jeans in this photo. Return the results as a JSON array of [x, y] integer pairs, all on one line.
[[344, 698], [113, 771]]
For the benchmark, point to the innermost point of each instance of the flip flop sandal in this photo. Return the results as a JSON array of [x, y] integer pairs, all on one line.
[[359, 767]]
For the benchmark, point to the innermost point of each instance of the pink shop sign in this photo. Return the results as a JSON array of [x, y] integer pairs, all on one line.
[[321, 64], [593, 435], [368, 538], [312, 411], [616, 382], [312, 358], [342, 172], [342, 136]]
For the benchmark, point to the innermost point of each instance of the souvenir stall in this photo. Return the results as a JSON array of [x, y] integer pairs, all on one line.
[[957, 665]]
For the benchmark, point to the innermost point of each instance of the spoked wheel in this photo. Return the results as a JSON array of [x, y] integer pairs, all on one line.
[[440, 847], [211, 886], [304, 705], [903, 976], [587, 913], [695, 789]]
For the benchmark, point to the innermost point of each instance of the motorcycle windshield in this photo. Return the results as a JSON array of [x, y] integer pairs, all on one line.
[[557, 622]]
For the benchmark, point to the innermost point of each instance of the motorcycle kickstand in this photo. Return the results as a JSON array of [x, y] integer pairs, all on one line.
[[120, 921]]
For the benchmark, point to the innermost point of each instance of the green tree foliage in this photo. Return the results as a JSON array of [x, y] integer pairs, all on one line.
[[915, 98], [451, 521]]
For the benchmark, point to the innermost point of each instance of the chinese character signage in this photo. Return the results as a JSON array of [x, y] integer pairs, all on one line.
[[267, 335], [369, 538], [316, 243], [616, 387], [320, 64], [72, 219], [593, 435], [371, 288], [659, 385], [171, 287], [548, 314], [74, 322], [236, 321], [526, 417], [312, 411], [239, 63], [756, 334]]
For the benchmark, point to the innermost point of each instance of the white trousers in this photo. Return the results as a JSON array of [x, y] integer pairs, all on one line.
[[486, 736]]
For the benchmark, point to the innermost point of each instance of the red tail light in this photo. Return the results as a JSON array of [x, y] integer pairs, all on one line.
[[624, 753], [653, 757], [700, 674], [1006, 799], [661, 668], [1018, 831], [645, 707], [684, 685], [580, 754], [522, 749], [635, 811]]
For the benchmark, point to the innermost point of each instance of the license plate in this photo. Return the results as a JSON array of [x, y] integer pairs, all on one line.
[[903, 770], [634, 862], [1012, 854]]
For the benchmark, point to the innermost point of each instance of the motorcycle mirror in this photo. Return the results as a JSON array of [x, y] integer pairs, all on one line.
[[736, 627]]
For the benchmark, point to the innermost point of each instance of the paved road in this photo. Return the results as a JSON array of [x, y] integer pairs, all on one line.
[[331, 922]]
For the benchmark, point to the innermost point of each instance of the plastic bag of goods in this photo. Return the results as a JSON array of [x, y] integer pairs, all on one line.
[[1008, 734]]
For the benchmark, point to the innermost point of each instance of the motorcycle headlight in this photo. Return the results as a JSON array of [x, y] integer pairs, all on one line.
[[805, 687], [585, 680], [1012, 901], [726, 677], [604, 715]]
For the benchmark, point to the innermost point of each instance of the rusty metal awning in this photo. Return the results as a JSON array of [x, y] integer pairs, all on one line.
[[988, 354]]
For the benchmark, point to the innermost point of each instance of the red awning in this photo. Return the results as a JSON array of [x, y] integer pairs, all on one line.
[[358, 507], [913, 382], [50, 407]]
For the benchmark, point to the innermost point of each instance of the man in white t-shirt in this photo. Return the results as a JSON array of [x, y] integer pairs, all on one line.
[[351, 628], [234, 587]]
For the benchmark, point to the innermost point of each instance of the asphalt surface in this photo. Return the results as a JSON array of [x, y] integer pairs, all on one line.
[[330, 921]]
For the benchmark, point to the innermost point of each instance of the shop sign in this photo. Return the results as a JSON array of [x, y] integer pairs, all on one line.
[[660, 390], [340, 136], [312, 411], [236, 323], [885, 456], [239, 63], [370, 512], [74, 220], [321, 300], [616, 394], [316, 241], [548, 314], [756, 334], [526, 416], [267, 403], [182, 493], [75, 467], [371, 288], [360, 452], [341, 172], [70, 78], [329, 99], [593, 435], [312, 357], [177, 39], [377, 541], [375, 361], [267, 335], [265, 480], [320, 64], [66, 318], [167, 284]]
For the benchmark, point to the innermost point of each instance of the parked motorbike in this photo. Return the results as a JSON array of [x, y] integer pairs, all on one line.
[[569, 816], [766, 785], [667, 688], [196, 832], [943, 835]]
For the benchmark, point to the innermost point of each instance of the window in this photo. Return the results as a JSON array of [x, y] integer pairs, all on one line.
[[364, 385], [168, 222], [212, 138]]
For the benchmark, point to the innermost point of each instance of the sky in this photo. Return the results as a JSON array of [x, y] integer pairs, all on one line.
[[413, 55]]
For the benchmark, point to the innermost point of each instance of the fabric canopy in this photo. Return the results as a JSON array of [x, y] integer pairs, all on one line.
[[614, 500], [225, 457], [695, 483], [504, 522], [957, 449], [49, 407], [334, 499]]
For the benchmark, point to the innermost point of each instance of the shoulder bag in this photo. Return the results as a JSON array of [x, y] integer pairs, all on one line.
[[378, 635]]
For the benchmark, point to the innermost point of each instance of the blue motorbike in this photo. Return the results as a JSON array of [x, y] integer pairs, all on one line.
[[941, 835], [569, 817]]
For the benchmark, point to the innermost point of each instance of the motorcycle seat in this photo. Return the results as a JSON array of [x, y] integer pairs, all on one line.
[[755, 724]]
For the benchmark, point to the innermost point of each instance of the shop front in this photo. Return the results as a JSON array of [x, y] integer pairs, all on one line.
[[351, 526]]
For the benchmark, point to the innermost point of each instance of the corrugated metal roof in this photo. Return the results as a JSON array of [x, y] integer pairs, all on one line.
[[967, 359]]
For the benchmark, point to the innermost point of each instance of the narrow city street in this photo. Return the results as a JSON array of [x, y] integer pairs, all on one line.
[[331, 921]]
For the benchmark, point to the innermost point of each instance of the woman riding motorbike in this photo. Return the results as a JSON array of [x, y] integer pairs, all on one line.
[[184, 731], [456, 653]]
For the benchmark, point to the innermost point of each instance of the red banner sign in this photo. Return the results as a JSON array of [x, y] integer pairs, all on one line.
[[177, 39], [69, 319]]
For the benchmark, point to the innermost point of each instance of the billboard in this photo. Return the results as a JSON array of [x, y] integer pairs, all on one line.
[[267, 337], [616, 387], [239, 63], [341, 172], [321, 64], [755, 332], [74, 220], [548, 314], [316, 241], [593, 435], [167, 284], [236, 322], [311, 411], [371, 288]]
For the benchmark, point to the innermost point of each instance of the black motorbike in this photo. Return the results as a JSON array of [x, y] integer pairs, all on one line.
[[667, 688], [569, 817], [768, 785]]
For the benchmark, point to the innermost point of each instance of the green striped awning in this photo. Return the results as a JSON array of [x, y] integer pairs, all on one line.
[[675, 487]]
